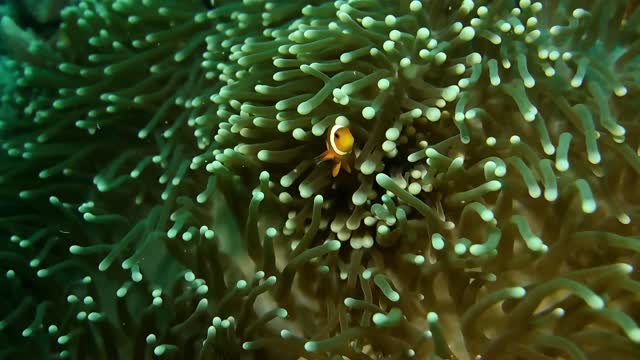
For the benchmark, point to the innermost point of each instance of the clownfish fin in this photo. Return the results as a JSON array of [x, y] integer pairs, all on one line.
[[347, 166], [320, 158], [326, 155], [336, 168]]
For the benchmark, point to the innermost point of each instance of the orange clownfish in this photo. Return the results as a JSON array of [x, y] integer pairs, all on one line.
[[339, 147]]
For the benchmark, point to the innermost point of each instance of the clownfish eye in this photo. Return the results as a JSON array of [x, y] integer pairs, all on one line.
[[336, 135]]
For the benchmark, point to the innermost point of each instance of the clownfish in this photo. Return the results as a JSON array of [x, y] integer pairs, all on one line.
[[339, 147]]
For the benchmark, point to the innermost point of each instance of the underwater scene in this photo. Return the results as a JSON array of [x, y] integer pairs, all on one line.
[[319, 180]]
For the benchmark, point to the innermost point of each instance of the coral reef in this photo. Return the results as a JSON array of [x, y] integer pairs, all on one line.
[[160, 197]]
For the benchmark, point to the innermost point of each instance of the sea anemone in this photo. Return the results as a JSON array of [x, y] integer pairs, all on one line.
[[160, 185]]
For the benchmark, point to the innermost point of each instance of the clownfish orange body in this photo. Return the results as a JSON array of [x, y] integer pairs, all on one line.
[[339, 148]]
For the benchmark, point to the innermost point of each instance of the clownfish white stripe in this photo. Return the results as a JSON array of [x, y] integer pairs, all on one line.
[[332, 140]]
